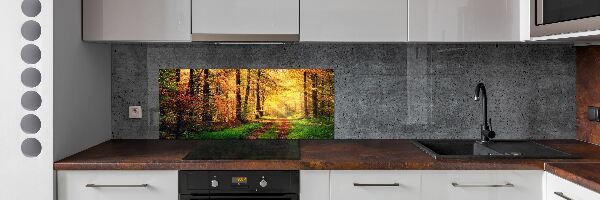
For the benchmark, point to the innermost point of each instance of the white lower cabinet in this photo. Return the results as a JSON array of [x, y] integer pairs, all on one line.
[[560, 189], [482, 185], [117, 185], [314, 184], [375, 185], [341, 185], [436, 185]]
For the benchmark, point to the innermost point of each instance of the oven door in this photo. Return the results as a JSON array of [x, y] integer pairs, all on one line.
[[241, 197], [553, 17]]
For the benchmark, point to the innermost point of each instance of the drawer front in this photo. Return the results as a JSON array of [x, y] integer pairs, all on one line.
[[117, 185], [482, 185], [376, 185], [560, 189]]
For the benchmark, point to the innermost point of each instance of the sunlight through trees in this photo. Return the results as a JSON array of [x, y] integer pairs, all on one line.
[[240, 103]]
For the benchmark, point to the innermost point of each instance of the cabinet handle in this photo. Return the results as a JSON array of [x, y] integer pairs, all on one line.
[[376, 184], [560, 194], [498, 185], [115, 186]]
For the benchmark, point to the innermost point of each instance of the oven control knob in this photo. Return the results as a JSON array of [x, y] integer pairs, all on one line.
[[214, 183], [263, 183]]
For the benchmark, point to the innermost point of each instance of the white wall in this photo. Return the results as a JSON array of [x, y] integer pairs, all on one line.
[[82, 83], [21, 177], [82, 75]]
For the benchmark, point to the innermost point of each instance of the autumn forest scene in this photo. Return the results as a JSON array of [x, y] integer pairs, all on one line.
[[246, 103]]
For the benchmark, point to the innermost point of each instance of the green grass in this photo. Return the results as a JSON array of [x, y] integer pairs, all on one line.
[[240, 132], [269, 134], [311, 128]]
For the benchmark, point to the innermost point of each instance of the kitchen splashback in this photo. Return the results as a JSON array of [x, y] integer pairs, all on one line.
[[381, 90], [209, 104]]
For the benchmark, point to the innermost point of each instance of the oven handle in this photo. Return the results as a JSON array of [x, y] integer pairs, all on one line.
[[245, 196]]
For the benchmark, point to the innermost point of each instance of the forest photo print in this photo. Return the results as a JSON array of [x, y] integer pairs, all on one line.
[[246, 103]]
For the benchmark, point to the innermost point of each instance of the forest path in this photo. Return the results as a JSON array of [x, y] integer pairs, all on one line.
[[258, 132], [282, 125]]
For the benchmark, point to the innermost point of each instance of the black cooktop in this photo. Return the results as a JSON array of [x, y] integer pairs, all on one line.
[[245, 150]]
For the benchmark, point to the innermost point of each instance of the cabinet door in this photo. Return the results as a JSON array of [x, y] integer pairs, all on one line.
[[231, 17], [136, 20], [117, 185], [374, 184], [468, 20], [314, 185], [353, 20], [560, 189], [482, 185]]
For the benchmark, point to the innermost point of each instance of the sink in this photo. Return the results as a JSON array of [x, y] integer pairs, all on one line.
[[471, 149]]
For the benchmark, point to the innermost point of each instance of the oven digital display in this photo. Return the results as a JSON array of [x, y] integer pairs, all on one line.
[[239, 181]]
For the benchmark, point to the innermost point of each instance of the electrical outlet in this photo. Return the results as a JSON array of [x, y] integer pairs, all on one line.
[[135, 112]]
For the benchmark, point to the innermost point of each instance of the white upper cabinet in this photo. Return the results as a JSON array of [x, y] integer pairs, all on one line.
[[468, 20], [245, 20], [307, 20], [353, 20], [136, 20]]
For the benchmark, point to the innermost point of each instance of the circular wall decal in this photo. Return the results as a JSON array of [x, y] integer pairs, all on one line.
[[31, 30], [31, 124], [31, 54], [31, 8], [31, 147], [31, 77], [31, 100]]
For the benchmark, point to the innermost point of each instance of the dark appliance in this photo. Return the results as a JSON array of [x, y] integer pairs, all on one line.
[[236, 185], [552, 17]]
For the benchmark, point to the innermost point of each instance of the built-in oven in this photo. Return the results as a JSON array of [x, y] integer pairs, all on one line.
[[553, 17], [237, 185]]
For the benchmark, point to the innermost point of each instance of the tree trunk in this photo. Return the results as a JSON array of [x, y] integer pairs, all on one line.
[[192, 84], [179, 111], [305, 97], [191, 92], [315, 102], [262, 104], [259, 112], [320, 90], [238, 96], [206, 116], [247, 92]]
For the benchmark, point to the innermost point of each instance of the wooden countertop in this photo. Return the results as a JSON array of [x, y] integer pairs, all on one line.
[[584, 174], [315, 154]]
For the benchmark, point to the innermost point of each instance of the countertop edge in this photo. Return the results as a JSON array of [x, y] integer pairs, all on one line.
[[573, 177]]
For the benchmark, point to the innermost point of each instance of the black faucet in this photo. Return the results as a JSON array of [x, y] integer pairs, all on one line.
[[486, 129]]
